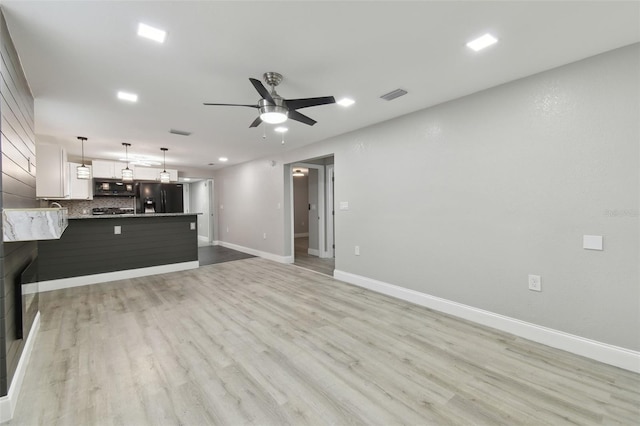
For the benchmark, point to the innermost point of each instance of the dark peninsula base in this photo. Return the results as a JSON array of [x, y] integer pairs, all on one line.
[[90, 246]]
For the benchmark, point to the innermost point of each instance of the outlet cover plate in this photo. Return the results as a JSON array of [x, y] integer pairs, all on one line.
[[535, 283]]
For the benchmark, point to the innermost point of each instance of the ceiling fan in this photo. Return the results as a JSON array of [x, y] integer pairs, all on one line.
[[274, 109]]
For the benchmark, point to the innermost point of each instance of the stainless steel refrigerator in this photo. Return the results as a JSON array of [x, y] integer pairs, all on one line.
[[159, 198]]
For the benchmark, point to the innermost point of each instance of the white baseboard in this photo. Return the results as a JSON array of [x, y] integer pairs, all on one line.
[[301, 234], [215, 243], [259, 253], [114, 276], [313, 252], [603, 352], [203, 239], [8, 403]]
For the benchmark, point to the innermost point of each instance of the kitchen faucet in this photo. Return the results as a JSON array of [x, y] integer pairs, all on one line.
[[54, 204]]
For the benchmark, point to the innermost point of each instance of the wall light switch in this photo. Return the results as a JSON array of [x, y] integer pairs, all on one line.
[[192, 226], [117, 230], [357, 251], [592, 242], [344, 205], [264, 236]]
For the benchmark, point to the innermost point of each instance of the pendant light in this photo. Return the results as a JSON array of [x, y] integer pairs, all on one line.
[[127, 173], [83, 172], [297, 173], [165, 177]]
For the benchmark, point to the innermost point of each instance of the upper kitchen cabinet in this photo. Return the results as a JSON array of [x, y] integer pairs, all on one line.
[[152, 173], [52, 172], [108, 169], [79, 189]]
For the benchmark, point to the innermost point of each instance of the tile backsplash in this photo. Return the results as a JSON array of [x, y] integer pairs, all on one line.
[[83, 207]]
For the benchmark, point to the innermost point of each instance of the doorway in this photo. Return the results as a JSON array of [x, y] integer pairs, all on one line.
[[312, 228], [200, 200]]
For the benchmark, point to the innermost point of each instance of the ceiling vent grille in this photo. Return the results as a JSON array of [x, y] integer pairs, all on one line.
[[393, 94], [179, 132]]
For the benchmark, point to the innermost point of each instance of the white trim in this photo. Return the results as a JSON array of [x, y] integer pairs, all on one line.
[[313, 252], [259, 253], [329, 205], [203, 239], [603, 352], [215, 243], [114, 276], [8, 403], [301, 234]]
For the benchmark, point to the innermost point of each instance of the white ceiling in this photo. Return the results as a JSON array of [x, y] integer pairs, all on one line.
[[78, 54]]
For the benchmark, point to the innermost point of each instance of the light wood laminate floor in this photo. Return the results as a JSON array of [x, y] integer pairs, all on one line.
[[303, 259], [260, 343]]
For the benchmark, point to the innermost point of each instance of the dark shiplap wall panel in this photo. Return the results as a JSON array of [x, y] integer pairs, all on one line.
[[18, 189], [89, 246]]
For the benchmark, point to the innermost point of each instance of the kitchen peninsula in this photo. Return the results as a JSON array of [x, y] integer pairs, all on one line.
[[109, 247]]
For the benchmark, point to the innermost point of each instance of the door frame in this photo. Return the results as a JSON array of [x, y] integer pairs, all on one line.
[[212, 210], [321, 206], [330, 214]]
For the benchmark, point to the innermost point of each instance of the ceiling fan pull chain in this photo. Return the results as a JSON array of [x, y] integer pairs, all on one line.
[[264, 134]]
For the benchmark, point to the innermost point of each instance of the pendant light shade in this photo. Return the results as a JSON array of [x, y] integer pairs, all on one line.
[[127, 173], [83, 172], [165, 177]]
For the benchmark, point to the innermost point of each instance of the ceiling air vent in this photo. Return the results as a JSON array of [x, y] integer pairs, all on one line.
[[179, 132], [393, 94]]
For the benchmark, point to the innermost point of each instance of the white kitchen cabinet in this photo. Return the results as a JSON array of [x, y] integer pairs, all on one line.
[[108, 169], [152, 173], [52, 172], [79, 189]]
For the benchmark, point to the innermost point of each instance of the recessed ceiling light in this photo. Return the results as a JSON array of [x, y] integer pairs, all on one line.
[[186, 179], [345, 102], [482, 42], [280, 129], [125, 96], [151, 33], [223, 159]]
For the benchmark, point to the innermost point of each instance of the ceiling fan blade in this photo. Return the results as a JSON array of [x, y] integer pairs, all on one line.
[[309, 102], [256, 122], [295, 115], [242, 105], [262, 90]]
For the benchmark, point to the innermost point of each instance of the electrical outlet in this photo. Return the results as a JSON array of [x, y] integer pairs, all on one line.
[[535, 284], [192, 226], [357, 250], [117, 230], [264, 236], [227, 229]]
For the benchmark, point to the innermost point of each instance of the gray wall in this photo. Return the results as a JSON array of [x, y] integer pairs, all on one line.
[[301, 204], [464, 199], [18, 189]]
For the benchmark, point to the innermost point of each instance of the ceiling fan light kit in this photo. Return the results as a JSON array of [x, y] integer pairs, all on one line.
[[274, 109]]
